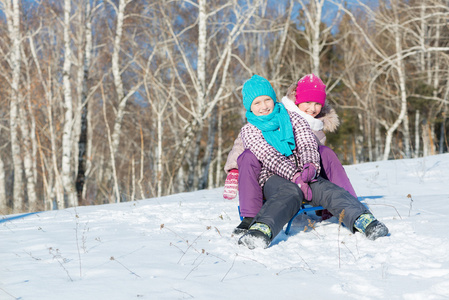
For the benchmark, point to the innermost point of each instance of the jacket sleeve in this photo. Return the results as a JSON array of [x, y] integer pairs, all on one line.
[[320, 137], [237, 149], [270, 158], [306, 143]]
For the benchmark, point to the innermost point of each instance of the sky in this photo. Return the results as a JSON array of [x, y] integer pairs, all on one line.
[[181, 247]]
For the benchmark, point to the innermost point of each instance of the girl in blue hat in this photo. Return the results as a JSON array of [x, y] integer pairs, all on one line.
[[286, 148]]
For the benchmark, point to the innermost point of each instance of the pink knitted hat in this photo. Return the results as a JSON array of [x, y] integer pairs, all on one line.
[[310, 89]]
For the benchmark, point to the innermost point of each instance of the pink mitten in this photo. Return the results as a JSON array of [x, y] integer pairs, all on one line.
[[305, 188], [231, 185]]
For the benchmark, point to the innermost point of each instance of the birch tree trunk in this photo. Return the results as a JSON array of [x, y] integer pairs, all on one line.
[[377, 142], [58, 185], [422, 39], [277, 58], [13, 21], [406, 133], [315, 35], [443, 135], [212, 130], [118, 83], [142, 161], [159, 170], [28, 161], [4, 209], [400, 69], [369, 136], [116, 75], [417, 135], [425, 138], [158, 102], [67, 145], [54, 184], [314, 23], [33, 135], [436, 79], [358, 141], [201, 88], [218, 170], [220, 70], [202, 44], [27, 126], [83, 77]]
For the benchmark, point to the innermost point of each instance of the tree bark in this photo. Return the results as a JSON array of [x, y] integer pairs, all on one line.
[[400, 69], [207, 158], [13, 19], [67, 141], [4, 209], [28, 161], [119, 89], [417, 135], [201, 87], [83, 76], [118, 83]]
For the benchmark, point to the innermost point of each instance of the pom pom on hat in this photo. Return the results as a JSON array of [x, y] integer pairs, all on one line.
[[254, 87], [310, 89]]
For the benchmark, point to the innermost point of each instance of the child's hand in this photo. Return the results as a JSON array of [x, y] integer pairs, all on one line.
[[305, 188], [231, 185], [308, 172]]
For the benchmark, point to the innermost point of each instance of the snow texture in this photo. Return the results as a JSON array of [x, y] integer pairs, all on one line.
[[181, 247]]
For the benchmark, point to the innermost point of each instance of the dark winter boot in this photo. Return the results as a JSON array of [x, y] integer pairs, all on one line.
[[326, 215], [370, 226], [375, 230], [243, 226], [258, 236]]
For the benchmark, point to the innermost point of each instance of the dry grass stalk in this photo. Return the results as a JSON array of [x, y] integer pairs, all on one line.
[[411, 201], [311, 225]]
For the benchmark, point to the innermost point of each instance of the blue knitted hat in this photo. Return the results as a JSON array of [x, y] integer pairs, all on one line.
[[254, 87]]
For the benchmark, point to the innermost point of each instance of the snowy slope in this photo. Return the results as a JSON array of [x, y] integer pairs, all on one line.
[[181, 247]]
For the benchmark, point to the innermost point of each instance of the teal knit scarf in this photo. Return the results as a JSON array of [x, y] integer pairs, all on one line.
[[276, 128]]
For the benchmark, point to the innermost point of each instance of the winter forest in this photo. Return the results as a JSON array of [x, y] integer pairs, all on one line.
[[106, 101]]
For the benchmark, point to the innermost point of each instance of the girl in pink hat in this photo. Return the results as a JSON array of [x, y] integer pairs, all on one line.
[[307, 97], [288, 164]]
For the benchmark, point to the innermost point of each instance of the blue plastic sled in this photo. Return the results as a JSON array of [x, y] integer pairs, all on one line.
[[307, 208]]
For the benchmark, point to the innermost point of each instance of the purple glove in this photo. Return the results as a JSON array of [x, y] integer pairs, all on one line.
[[305, 188], [308, 172]]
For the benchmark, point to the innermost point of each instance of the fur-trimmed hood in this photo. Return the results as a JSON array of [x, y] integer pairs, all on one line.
[[329, 117]]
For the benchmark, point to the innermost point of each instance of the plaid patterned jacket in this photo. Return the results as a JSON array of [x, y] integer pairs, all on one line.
[[273, 162]]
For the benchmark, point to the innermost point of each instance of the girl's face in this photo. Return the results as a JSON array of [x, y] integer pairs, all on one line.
[[310, 108], [262, 106]]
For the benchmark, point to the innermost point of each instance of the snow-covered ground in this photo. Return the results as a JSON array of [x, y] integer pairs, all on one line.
[[181, 247]]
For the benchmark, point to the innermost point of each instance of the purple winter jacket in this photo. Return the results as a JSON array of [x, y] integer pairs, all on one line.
[[273, 162]]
